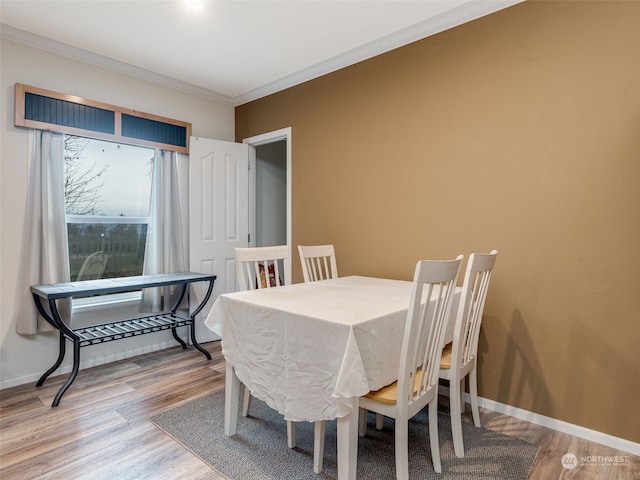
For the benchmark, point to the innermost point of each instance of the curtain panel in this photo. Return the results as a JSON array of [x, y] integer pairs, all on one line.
[[45, 253], [164, 252]]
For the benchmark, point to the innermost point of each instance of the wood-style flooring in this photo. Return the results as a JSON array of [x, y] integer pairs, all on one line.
[[101, 428]]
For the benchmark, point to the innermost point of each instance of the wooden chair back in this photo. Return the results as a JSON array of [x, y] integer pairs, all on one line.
[[318, 262]]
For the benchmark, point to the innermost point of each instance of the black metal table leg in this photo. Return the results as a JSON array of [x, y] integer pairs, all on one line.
[[72, 376], [178, 339], [53, 319], [55, 366], [175, 306], [65, 332], [192, 327], [196, 344]]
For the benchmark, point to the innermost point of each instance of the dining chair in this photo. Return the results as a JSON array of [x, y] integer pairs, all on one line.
[[257, 264], [264, 267], [318, 262], [257, 268], [459, 358], [417, 383]]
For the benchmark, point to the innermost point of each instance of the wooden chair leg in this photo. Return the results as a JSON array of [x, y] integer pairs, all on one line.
[[402, 449], [362, 422], [379, 421], [246, 402], [456, 418], [473, 393], [318, 445], [292, 434], [433, 435]]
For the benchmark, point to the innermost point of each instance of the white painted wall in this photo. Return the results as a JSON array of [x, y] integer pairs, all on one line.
[[25, 358]]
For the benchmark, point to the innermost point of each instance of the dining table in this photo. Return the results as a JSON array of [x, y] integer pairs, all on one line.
[[310, 350]]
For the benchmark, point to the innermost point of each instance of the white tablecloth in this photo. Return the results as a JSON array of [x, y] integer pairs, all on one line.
[[307, 349]]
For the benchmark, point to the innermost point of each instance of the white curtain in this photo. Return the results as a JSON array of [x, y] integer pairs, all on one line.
[[45, 251], [164, 252]]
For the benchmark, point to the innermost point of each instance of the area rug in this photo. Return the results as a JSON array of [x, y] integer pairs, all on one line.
[[259, 450]]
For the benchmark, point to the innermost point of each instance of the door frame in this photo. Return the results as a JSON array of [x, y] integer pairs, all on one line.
[[263, 139]]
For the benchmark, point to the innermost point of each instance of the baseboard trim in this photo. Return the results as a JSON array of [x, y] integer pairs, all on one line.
[[561, 426]]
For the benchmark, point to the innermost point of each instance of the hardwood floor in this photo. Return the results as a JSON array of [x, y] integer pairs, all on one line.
[[101, 428]]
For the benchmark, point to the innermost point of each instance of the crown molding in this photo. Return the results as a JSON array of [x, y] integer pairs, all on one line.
[[466, 12], [85, 56]]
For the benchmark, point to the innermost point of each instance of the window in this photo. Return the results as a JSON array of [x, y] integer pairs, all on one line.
[[61, 112], [107, 197]]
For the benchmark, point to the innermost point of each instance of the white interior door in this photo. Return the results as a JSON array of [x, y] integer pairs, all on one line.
[[218, 215]]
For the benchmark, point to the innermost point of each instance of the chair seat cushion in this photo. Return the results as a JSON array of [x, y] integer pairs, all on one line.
[[389, 393], [386, 394], [447, 356], [445, 361]]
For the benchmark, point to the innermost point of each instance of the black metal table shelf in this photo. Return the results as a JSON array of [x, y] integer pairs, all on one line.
[[107, 332]]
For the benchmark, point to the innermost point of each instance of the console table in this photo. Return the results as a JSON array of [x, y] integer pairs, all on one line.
[[92, 335]]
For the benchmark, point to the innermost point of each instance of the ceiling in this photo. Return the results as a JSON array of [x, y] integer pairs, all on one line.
[[230, 51]]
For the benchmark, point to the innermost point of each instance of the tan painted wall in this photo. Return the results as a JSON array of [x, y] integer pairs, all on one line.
[[519, 131]]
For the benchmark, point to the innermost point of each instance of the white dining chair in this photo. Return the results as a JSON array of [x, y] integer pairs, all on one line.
[[255, 265], [318, 262], [417, 384], [257, 268], [459, 358], [264, 267]]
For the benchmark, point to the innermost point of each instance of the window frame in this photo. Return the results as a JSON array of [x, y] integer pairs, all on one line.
[[89, 304], [120, 115]]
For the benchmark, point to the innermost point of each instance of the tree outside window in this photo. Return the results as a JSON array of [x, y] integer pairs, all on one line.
[[107, 196]]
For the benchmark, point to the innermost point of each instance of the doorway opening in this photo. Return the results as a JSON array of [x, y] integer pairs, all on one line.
[[270, 189], [271, 194]]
